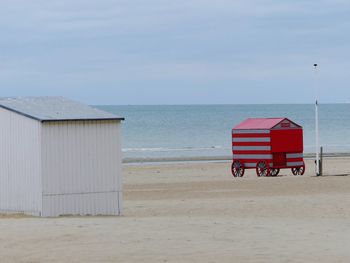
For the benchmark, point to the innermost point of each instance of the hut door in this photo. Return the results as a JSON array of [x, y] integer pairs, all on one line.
[[279, 159]]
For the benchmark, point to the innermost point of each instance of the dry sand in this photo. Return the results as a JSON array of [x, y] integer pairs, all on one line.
[[199, 213]]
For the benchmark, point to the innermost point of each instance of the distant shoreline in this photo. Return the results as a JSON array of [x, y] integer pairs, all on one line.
[[209, 158]]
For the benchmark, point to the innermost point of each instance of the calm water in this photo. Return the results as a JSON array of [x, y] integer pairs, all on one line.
[[205, 130]]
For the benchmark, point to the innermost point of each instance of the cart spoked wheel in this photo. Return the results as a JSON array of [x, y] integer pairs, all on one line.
[[298, 170], [274, 172], [262, 169], [237, 169]]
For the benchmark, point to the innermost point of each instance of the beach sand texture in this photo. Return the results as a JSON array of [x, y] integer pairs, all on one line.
[[198, 213]]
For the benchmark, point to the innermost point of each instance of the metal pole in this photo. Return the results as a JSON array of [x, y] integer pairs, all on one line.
[[321, 161], [317, 161]]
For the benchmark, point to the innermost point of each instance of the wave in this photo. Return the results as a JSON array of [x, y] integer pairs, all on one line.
[[307, 148], [161, 149]]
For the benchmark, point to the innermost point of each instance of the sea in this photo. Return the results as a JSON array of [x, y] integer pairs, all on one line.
[[204, 131]]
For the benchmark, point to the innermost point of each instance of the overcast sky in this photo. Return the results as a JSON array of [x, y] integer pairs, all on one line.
[[176, 51]]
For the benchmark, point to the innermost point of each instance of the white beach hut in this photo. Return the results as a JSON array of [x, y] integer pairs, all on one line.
[[59, 157]]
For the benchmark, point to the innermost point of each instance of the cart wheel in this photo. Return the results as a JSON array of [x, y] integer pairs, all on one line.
[[274, 172], [237, 169], [262, 169], [298, 170]]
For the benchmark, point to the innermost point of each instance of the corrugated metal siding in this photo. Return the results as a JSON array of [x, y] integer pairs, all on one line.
[[81, 167], [81, 204], [20, 164]]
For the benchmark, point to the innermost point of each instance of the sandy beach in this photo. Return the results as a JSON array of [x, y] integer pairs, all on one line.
[[196, 212]]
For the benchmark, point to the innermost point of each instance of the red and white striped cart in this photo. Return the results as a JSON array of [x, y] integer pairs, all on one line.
[[267, 145]]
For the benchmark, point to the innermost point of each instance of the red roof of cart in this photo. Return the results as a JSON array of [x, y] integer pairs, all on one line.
[[260, 123]]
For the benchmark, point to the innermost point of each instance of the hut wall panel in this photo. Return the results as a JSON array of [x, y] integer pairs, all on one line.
[[81, 204], [81, 167], [20, 164]]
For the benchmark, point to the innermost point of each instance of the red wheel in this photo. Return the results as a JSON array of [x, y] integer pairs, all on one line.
[[274, 172], [298, 170], [262, 169], [237, 169]]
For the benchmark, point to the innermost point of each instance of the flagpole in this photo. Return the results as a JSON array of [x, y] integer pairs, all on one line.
[[317, 161]]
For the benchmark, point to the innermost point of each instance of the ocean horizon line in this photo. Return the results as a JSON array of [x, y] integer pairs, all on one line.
[[224, 104]]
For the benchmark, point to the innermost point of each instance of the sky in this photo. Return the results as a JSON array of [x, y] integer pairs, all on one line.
[[176, 51]]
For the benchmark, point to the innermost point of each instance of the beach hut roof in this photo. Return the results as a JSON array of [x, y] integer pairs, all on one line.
[[54, 109], [261, 123]]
